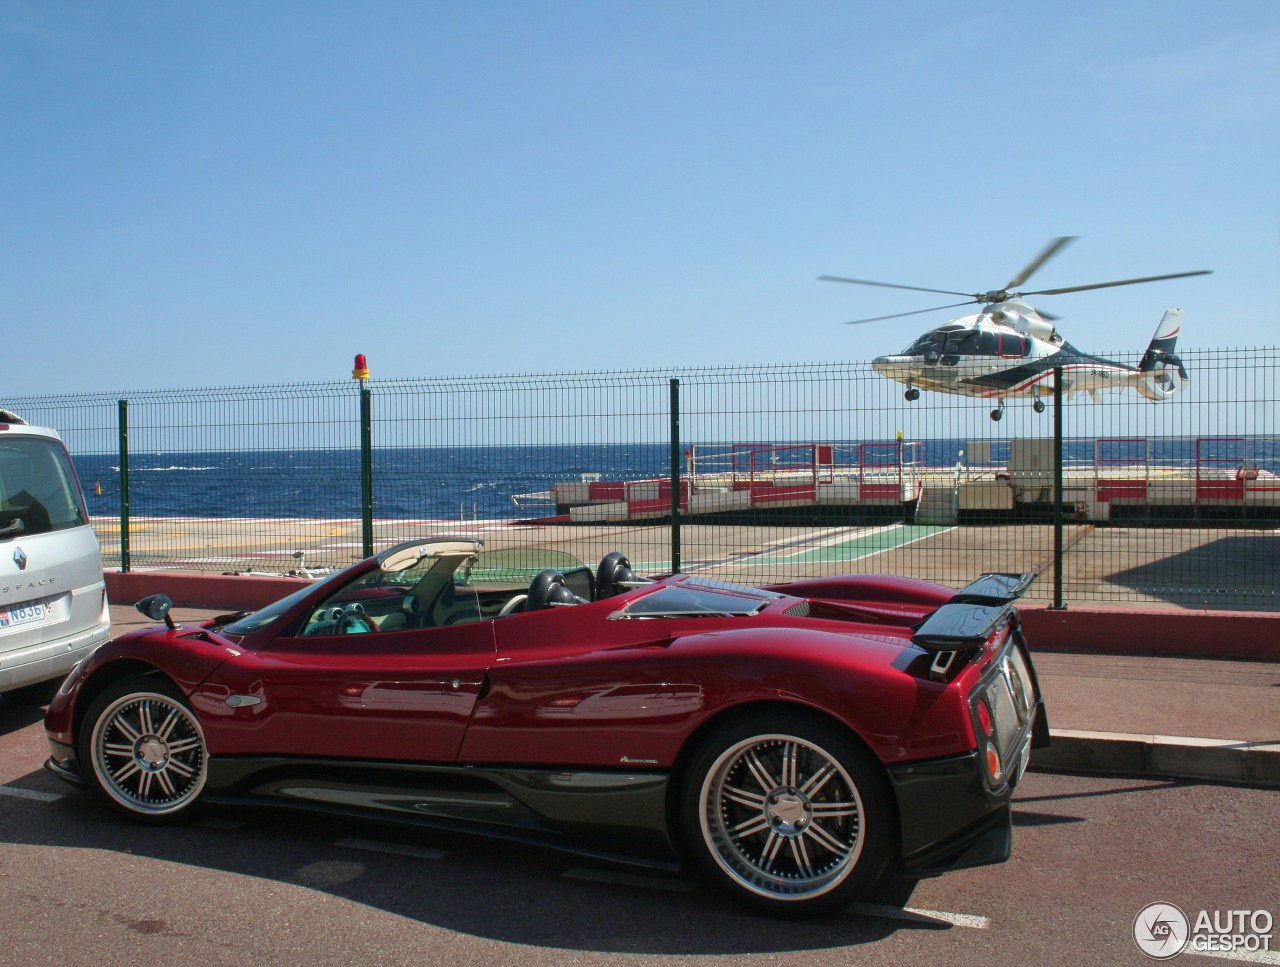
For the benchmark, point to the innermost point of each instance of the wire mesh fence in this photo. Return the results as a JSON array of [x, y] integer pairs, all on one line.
[[761, 474]]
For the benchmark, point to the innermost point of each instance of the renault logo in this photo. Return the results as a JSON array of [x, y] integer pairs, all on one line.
[[20, 559]]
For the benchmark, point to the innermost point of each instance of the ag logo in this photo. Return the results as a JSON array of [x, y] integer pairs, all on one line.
[[1161, 930]]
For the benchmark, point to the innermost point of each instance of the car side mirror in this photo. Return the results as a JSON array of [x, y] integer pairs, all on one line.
[[156, 607]]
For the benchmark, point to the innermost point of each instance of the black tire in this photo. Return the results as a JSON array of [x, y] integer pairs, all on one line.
[[142, 749], [789, 813]]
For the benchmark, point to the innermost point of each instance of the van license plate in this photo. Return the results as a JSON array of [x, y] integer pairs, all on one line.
[[23, 614]]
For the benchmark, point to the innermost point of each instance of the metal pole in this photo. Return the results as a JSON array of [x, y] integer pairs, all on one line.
[[366, 471], [122, 425], [1057, 489], [675, 475]]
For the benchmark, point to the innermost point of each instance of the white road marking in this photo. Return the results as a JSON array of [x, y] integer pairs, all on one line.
[[29, 794], [844, 535], [394, 849], [629, 879], [914, 915], [774, 550]]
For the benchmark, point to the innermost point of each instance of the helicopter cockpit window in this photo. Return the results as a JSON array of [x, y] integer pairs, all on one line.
[[1008, 345], [962, 343], [930, 342], [1012, 345]]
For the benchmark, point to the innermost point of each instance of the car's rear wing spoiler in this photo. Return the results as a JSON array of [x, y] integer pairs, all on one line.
[[973, 613]]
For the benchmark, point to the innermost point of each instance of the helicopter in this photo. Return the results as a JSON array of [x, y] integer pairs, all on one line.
[[1009, 348]]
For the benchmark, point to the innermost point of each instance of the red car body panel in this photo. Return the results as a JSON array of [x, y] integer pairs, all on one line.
[[187, 656], [407, 695], [565, 687], [639, 700], [578, 718]]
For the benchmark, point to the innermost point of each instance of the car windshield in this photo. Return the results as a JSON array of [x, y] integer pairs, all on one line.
[[511, 569], [515, 567], [264, 616]]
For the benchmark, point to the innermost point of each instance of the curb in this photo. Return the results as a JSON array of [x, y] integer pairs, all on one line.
[[1168, 633], [1161, 756]]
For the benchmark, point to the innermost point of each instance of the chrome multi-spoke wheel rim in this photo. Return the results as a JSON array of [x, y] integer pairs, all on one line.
[[148, 752], [782, 816]]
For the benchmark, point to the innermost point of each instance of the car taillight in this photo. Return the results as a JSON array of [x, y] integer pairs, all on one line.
[[1002, 709], [993, 764], [984, 718]]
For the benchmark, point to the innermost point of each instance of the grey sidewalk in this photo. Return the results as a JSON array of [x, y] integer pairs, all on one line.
[[1146, 716]]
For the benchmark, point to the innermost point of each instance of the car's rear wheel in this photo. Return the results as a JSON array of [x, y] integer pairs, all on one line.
[[141, 748], [789, 813]]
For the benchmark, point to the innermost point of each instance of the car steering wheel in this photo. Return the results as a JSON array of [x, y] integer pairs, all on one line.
[[354, 622]]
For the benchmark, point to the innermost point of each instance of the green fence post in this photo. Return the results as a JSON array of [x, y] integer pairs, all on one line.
[[1057, 489], [122, 426], [366, 471], [675, 475]]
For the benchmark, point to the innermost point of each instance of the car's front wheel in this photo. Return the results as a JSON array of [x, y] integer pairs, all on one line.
[[789, 813], [141, 747]]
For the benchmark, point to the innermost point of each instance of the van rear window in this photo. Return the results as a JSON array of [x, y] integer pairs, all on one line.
[[38, 490]]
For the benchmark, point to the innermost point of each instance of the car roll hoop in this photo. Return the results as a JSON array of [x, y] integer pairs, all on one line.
[[550, 590], [614, 575]]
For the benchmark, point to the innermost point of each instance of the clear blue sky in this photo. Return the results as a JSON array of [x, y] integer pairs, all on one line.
[[201, 194]]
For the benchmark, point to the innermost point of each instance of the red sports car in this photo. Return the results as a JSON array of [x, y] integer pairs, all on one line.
[[796, 743]]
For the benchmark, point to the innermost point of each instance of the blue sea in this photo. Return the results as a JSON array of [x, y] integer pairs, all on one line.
[[480, 482]]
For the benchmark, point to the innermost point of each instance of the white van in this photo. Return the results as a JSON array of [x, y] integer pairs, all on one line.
[[53, 599]]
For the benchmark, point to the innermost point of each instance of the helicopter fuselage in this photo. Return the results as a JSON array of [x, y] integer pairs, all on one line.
[[1011, 349], [1008, 349]]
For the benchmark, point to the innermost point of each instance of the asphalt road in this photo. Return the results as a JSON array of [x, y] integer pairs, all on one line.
[[80, 886]]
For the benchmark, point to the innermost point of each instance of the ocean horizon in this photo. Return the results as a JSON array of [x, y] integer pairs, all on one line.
[[426, 483]]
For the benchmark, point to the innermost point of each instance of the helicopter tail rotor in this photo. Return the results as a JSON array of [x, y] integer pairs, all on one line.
[[1163, 374]]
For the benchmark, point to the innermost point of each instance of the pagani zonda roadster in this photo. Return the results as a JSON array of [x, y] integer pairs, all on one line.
[[791, 742]]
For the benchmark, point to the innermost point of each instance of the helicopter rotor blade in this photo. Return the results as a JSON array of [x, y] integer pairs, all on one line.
[[899, 315], [1108, 285], [1049, 251], [890, 285]]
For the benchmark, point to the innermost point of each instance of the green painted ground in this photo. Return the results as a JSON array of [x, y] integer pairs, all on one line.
[[821, 550], [854, 548]]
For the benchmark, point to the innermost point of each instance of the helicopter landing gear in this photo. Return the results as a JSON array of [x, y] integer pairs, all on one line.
[[911, 395], [998, 412], [1038, 405]]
